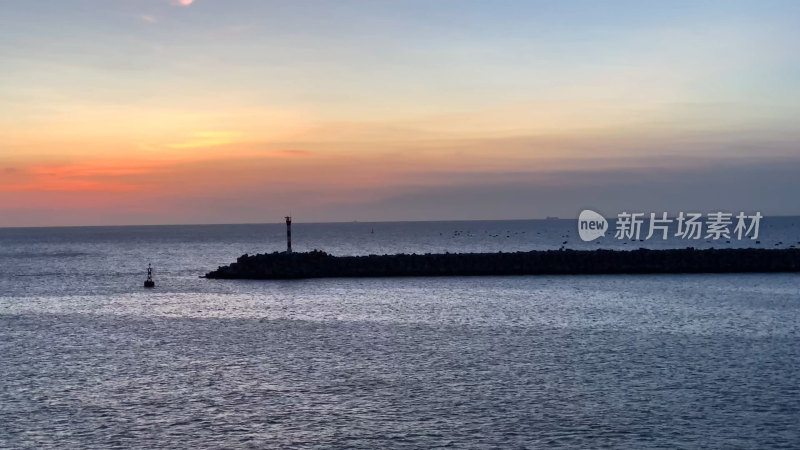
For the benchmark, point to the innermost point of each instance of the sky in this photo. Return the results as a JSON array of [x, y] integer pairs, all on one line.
[[118, 112]]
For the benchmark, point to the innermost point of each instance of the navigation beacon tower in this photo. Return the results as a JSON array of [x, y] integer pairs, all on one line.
[[288, 234], [149, 283]]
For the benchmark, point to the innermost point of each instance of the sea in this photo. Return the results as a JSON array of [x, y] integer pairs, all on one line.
[[91, 359]]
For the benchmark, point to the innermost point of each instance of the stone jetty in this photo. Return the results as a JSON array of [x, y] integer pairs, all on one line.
[[318, 264]]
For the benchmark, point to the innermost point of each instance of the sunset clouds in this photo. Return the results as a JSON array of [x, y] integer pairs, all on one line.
[[337, 110]]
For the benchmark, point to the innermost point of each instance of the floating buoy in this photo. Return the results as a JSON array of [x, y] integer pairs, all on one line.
[[149, 283]]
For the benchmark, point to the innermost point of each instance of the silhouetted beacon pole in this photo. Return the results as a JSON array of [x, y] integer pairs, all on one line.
[[288, 234]]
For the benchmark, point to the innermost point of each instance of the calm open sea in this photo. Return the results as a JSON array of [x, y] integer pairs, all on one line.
[[89, 359]]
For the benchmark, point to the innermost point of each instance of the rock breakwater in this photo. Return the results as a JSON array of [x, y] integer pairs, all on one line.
[[318, 264]]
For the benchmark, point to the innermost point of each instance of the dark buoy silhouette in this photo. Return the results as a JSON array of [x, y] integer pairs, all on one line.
[[149, 283]]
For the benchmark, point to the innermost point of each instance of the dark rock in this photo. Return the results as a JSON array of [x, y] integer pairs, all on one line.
[[317, 264]]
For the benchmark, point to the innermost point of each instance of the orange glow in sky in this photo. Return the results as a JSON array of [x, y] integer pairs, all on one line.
[[164, 111]]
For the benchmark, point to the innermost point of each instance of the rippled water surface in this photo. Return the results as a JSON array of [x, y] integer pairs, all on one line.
[[89, 359]]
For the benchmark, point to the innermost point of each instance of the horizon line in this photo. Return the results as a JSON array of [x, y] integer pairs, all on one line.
[[317, 223]]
